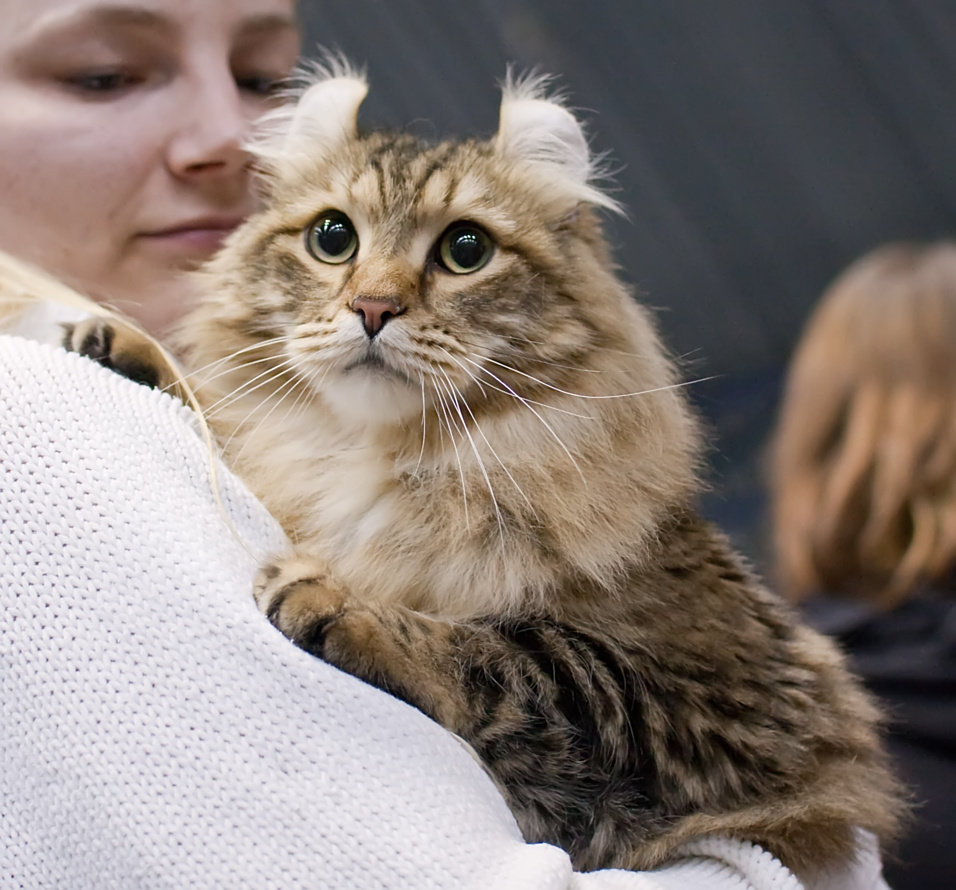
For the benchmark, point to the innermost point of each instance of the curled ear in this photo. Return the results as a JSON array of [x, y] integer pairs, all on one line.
[[538, 130], [320, 112], [328, 110]]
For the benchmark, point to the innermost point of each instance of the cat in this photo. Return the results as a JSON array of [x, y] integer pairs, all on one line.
[[422, 358]]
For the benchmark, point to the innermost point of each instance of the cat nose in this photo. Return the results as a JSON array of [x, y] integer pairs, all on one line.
[[375, 311]]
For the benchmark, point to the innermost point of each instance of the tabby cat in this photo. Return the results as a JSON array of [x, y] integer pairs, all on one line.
[[420, 357]]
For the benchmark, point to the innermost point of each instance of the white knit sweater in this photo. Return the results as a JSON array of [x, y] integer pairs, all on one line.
[[157, 732]]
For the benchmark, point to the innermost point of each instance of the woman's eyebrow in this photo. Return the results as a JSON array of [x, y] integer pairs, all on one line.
[[266, 25], [269, 22], [62, 27], [106, 16], [120, 15]]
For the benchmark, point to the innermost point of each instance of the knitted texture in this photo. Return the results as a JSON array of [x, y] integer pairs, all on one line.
[[157, 732]]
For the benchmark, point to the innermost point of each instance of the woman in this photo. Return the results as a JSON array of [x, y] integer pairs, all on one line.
[[121, 128], [863, 491], [155, 730]]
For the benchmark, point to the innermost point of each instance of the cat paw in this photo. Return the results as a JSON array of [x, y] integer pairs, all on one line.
[[297, 594], [117, 347], [394, 649]]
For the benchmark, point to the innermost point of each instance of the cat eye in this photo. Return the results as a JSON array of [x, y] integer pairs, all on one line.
[[331, 238], [464, 248]]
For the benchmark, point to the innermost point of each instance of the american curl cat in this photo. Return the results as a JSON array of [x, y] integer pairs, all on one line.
[[421, 358]]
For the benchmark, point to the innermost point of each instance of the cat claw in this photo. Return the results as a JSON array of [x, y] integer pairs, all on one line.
[[300, 599], [118, 347]]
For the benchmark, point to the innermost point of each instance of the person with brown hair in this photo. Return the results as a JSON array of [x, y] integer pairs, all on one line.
[[863, 500]]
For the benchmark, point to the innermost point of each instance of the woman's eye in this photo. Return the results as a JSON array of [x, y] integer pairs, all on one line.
[[259, 84], [101, 81], [331, 238], [464, 248]]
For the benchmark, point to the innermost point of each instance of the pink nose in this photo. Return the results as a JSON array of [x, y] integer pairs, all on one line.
[[375, 312]]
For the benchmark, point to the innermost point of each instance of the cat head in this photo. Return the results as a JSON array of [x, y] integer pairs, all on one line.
[[407, 282]]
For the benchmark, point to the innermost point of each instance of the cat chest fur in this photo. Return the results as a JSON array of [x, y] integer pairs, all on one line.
[[428, 536]]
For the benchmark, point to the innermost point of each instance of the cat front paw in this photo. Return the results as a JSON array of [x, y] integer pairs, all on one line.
[[118, 347], [392, 648], [298, 595]]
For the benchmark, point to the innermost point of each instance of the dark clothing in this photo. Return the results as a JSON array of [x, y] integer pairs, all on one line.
[[907, 657]]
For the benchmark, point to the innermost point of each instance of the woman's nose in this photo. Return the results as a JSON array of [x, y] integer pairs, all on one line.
[[213, 122]]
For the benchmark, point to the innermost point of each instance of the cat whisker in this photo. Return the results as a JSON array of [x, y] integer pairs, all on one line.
[[491, 448], [560, 366], [508, 392], [233, 368], [525, 400], [228, 359], [627, 353], [319, 382], [468, 373], [474, 379], [539, 360], [541, 420], [581, 395], [421, 453], [245, 388], [302, 401], [441, 426], [457, 399], [451, 435], [279, 396]]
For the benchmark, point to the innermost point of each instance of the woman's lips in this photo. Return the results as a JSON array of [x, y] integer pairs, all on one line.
[[196, 239]]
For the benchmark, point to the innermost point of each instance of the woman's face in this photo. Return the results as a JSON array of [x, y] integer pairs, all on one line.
[[120, 130]]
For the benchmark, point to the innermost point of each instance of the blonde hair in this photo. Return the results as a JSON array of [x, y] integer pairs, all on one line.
[[863, 460]]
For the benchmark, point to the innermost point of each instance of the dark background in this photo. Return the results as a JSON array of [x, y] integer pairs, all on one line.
[[759, 148]]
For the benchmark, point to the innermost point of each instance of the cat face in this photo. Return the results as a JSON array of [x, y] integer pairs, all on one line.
[[433, 338], [400, 279]]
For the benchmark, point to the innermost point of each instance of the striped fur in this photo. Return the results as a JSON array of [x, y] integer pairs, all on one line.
[[491, 496]]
